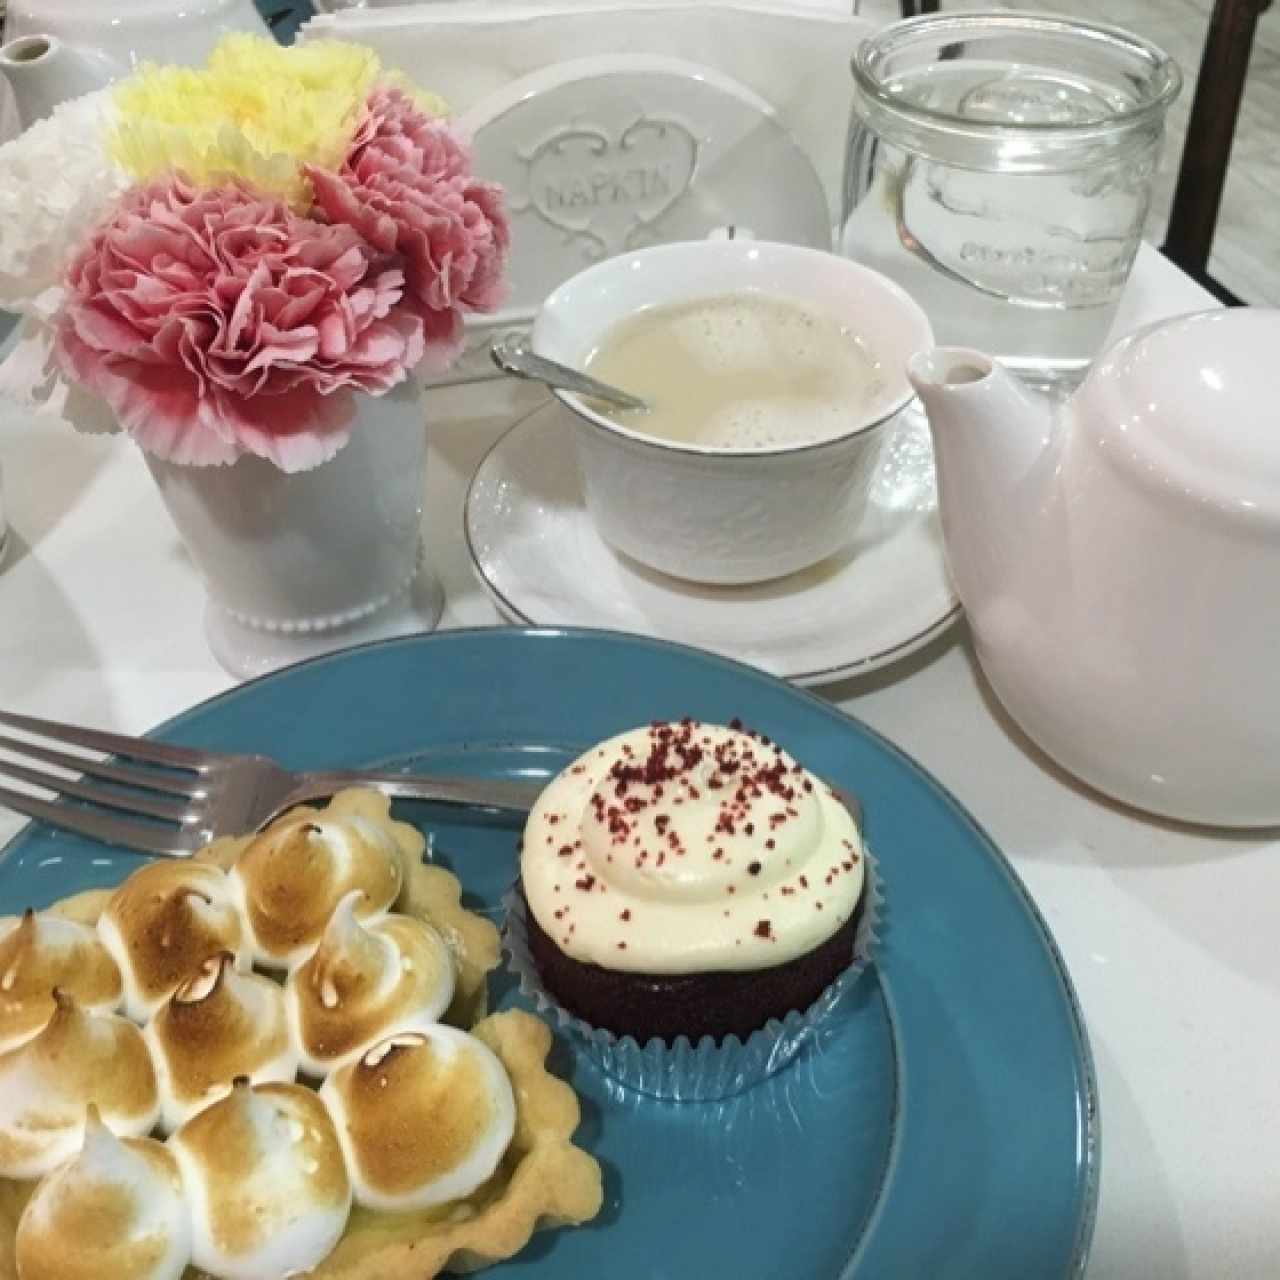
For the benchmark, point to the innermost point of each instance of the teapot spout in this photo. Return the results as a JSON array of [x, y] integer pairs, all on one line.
[[989, 435], [43, 71]]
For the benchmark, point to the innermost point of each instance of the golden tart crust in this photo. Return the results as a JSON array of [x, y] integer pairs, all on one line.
[[543, 1180]]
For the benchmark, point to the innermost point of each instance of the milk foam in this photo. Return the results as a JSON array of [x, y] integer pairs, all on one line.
[[740, 371]]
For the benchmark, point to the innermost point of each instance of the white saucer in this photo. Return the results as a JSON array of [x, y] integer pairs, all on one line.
[[541, 560]]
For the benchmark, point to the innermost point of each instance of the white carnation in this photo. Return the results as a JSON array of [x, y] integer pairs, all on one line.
[[31, 377], [56, 181]]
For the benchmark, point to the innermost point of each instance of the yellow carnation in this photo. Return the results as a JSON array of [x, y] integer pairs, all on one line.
[[258, 111]]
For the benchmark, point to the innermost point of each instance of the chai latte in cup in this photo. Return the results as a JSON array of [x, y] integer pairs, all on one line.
[[739, 371]]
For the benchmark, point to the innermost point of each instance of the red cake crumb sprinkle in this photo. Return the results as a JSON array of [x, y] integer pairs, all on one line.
[[753, 868], [566, 851], [626, 914], [586, 884], [763, 929]]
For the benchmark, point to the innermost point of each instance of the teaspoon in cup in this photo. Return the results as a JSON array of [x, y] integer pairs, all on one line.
[[512, 355]]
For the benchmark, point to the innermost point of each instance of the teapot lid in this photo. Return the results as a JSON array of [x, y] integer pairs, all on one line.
[[1191, 404]]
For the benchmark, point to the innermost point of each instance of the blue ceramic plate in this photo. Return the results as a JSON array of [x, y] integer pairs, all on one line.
[[944, 1125]]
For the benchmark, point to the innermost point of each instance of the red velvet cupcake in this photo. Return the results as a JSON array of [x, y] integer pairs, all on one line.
[[691, 900]]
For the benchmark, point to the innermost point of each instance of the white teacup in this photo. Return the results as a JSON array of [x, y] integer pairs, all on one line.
[[712, 514]]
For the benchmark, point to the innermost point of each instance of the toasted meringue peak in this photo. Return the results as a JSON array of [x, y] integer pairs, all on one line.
[[218, 1025], [46, 1084], [116, 1209], [290, 878], [265, 1180], [423, 1118], [364, 983], [40, 952], [163, 923]]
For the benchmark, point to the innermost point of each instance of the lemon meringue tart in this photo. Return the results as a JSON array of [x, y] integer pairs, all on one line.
[[118, 1209], [162, 923], [689, 879], [439, 1082], [364, 983], [266, 1182], [47, 1083], [41, 952], [438, 1138], [219, 1026], [290, 879]]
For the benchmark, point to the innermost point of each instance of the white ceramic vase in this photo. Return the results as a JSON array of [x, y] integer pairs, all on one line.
[[299, 565]]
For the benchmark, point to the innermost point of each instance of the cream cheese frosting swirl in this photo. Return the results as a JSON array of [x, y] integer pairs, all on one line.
[[363, 983], [266, 1182], [41, 952], [290, 879], [47, 1084], [690, 848], [115, 1210], [423, 1118], [217, 1026], [163, 923]]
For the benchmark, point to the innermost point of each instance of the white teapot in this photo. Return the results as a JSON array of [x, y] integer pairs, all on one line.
[[1118, 556], [59, 49]]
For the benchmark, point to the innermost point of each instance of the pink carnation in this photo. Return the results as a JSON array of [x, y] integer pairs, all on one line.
[[407, 187], [218, 322]]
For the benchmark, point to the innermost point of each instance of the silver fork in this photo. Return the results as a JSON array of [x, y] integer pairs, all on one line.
[[180, 798]]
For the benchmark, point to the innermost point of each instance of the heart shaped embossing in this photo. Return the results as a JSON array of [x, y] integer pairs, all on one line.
[[609, 192]]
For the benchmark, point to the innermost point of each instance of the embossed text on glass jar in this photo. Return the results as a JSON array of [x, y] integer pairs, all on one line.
[[1000, 169]]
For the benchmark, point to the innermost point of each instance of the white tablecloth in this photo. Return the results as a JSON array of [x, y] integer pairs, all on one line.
[[1169, 934]]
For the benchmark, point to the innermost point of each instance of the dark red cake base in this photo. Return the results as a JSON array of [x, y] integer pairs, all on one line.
[[645, 1005]]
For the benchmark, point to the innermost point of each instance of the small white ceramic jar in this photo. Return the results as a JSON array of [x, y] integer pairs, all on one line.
[[717, 515]]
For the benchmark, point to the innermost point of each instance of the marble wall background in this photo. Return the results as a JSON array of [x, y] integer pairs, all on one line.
[[1247, 249]]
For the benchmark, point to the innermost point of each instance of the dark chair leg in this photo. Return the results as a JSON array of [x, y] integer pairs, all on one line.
[[910, 8], [1207, 152]]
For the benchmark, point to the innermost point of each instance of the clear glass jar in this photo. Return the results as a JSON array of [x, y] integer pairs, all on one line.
[[999, 167]]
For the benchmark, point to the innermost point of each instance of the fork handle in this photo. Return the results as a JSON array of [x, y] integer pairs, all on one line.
[[476, 793]]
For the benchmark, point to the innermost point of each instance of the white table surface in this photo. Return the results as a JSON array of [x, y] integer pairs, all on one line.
[[1168, 933]]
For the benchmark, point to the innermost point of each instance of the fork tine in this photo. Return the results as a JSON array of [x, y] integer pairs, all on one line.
[[116, 743], [106, 797], [99, 826], [172, 785]]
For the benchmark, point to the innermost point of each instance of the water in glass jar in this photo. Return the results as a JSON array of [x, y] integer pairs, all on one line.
[[1024, 261]]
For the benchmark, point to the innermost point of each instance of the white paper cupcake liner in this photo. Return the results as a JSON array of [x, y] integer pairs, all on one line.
[[682, 1071]]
